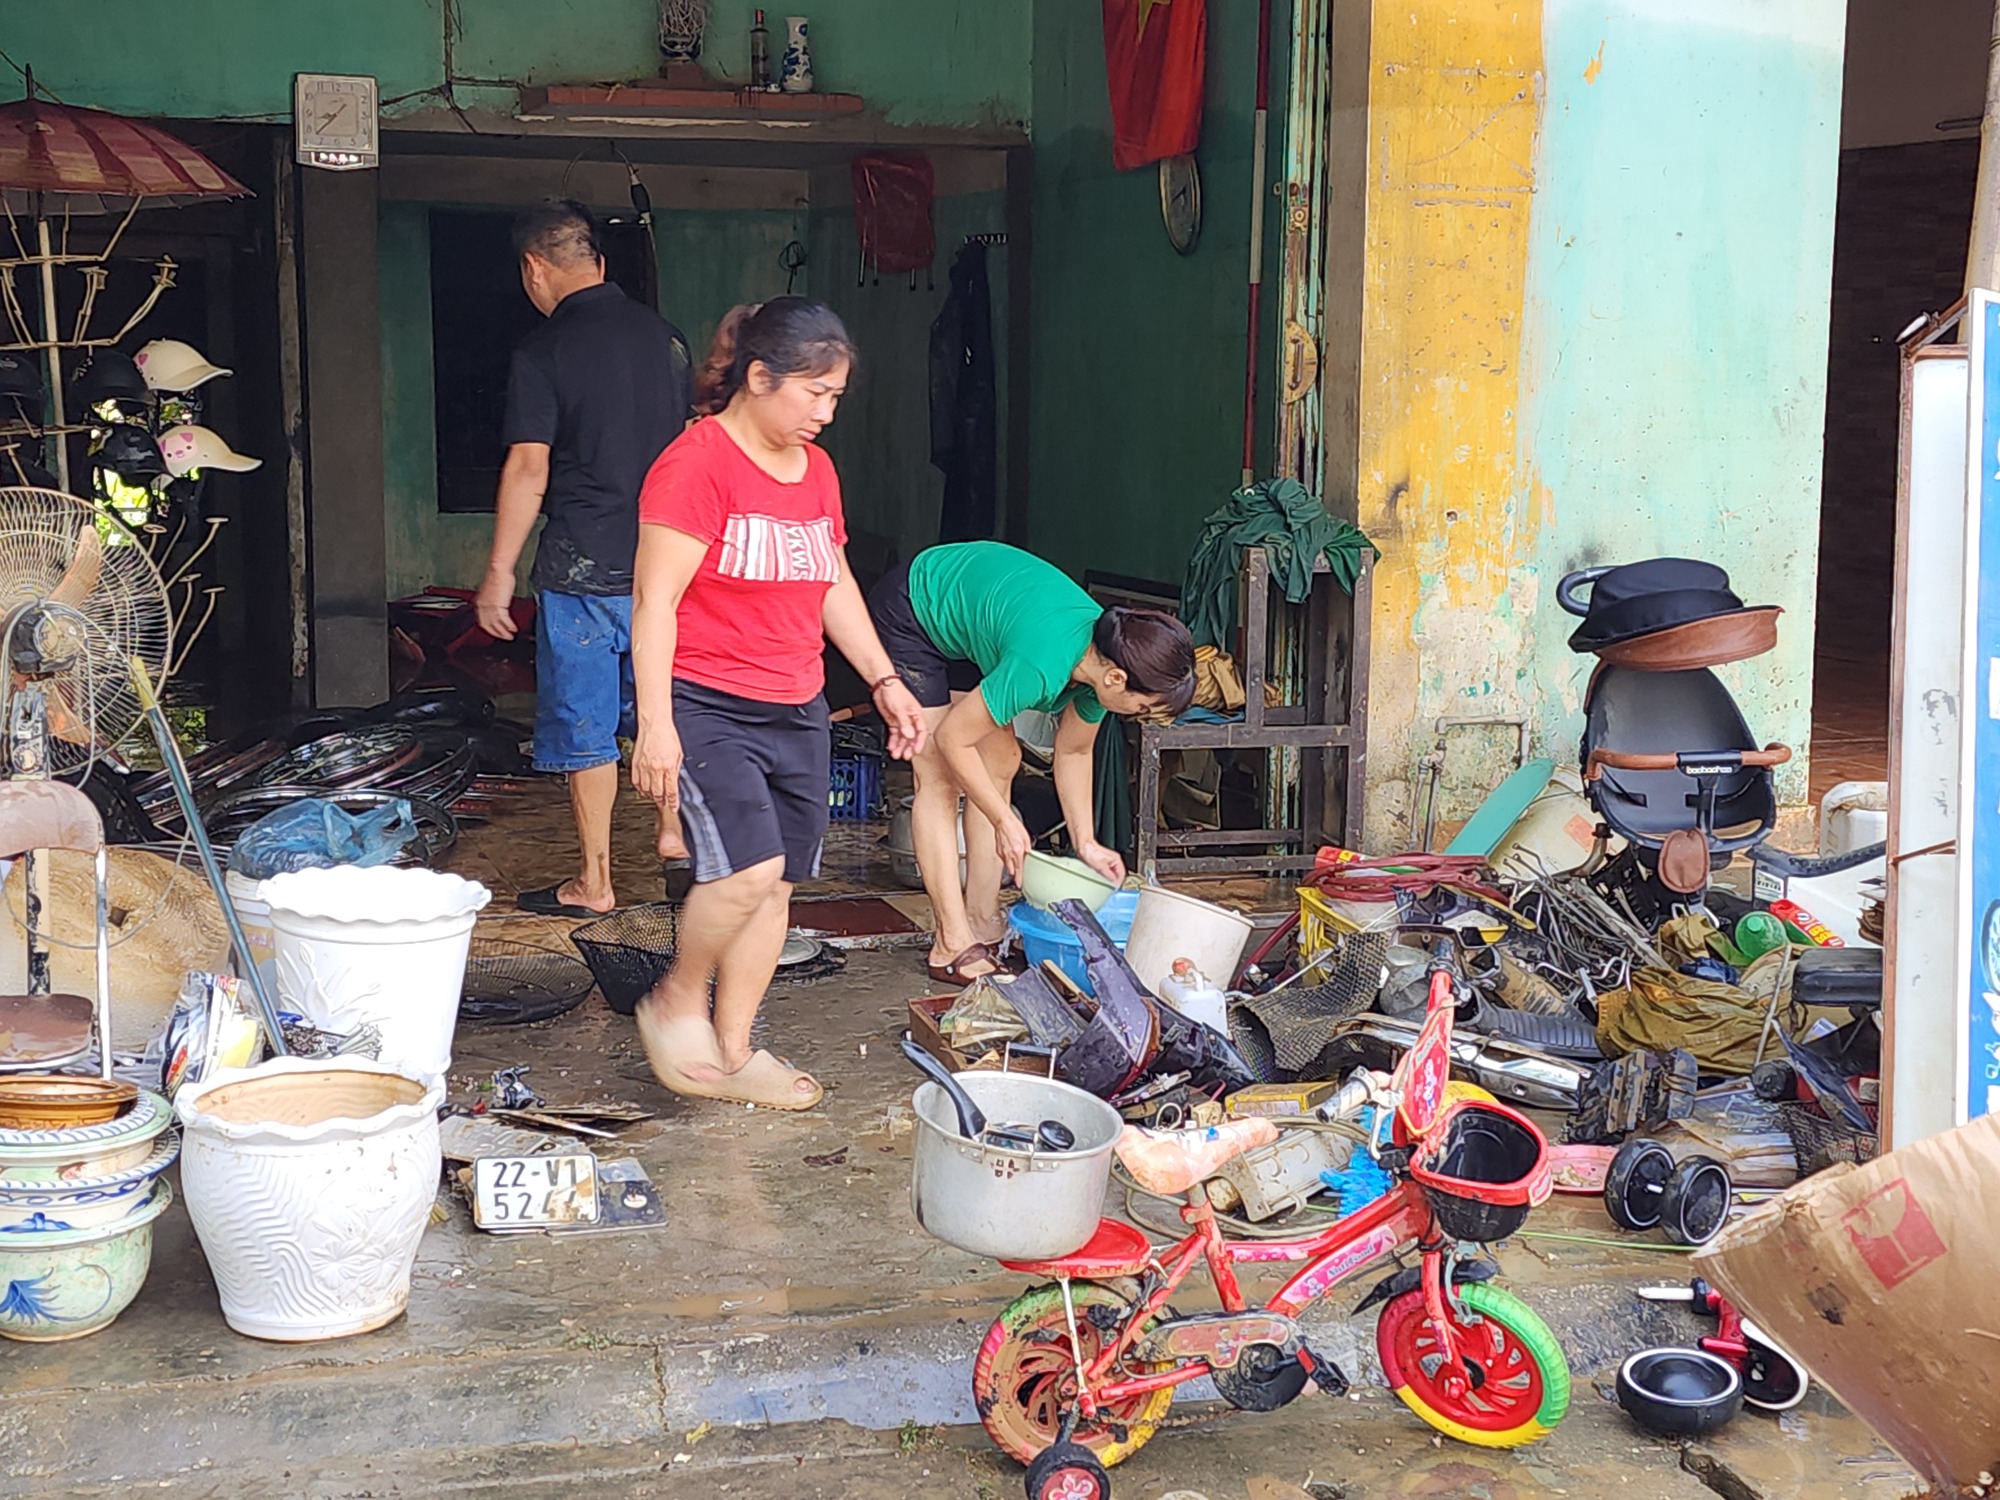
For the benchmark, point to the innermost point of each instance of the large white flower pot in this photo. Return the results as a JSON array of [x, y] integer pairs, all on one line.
[[309, 1182], [355, 946]]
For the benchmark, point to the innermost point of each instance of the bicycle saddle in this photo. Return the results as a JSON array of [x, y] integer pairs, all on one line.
[[1169, 1162]]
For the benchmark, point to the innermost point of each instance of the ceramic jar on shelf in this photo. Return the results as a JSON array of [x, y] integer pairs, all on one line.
[[795, 76]]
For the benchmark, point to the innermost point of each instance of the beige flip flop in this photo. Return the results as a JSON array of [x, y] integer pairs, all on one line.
[[676, 1042], [767, 1081]]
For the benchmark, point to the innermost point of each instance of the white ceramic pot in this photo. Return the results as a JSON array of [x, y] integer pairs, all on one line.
[[383, 946], [309, 1182], [61, 1284]]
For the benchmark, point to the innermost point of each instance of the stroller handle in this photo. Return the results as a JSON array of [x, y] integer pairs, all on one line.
[[1566, 591], [1619, 760]]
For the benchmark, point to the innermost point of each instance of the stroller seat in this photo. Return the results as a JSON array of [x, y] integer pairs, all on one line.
[[1667, 758]]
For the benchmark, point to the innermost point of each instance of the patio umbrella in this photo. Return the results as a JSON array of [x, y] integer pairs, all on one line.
[[59, 160]]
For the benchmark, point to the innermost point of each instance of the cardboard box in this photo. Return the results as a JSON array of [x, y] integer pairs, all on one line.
[[1884, 1281]]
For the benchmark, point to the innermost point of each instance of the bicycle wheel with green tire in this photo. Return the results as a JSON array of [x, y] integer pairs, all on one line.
[[1518, 1379]]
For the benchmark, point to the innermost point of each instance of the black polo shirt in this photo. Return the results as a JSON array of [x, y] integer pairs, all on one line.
[[604, 382]]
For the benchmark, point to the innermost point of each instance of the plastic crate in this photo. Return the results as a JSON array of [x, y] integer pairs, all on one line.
[[854, 791], [1327, 929]]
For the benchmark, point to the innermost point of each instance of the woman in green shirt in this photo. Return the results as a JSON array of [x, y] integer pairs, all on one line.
[[981, 632]]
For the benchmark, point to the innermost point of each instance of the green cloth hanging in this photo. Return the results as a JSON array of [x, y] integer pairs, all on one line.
[[1292, 525], [1113, 788]]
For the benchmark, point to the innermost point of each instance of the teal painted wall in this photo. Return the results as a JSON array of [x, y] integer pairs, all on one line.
[[938, 62], [881, 441], [1675, 335], [1138, 352], [708, 262]]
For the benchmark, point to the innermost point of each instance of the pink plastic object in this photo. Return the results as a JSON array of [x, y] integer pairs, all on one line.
[[1169, 1162]]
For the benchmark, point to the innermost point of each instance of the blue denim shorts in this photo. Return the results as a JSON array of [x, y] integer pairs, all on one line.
[[583, 679]]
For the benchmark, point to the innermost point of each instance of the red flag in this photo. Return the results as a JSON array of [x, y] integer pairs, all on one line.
[[1156, 56]]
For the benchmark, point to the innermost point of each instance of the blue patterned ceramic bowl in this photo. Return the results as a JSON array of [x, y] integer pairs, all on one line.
[[84, 1202]]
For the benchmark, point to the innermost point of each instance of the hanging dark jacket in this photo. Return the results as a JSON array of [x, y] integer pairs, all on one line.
[[965, 403]]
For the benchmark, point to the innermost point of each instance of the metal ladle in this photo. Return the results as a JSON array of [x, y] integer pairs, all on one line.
[[1049, 1135]]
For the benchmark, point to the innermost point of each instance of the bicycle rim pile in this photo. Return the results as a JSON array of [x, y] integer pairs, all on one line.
[[441, 749]]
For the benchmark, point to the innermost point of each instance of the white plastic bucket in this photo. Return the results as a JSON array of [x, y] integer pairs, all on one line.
[[1852, 816], [246, 894], [310, 1182], [382, 946], [1168, 926]]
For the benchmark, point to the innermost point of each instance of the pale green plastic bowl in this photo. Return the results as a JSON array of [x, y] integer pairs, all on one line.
[[1048, 878]]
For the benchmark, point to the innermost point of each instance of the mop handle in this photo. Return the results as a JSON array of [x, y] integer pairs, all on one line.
[[170, 756]]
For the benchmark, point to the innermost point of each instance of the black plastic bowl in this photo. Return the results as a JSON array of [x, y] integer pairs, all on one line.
[[1679, 1392]]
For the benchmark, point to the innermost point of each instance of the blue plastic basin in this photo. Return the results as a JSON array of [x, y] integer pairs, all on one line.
[[1044, 935]]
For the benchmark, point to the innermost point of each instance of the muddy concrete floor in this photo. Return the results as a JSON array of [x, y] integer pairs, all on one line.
[[791, 1331], [793, 1305]]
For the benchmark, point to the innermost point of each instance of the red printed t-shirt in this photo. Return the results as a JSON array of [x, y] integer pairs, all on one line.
[[750, 619]]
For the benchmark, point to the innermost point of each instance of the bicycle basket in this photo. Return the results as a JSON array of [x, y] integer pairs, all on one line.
[[1482, 1169]]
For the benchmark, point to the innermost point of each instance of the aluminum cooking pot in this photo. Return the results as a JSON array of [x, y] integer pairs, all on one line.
[[1006, 1203]]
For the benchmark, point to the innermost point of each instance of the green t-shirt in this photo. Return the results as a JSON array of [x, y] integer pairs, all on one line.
[[1020, 620]]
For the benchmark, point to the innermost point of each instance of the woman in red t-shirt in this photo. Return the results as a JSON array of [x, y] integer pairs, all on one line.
[[741, 578]]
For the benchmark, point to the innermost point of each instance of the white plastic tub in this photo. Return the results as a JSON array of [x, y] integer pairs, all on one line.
[[381, 946], [1168, 925], [310, 1182]]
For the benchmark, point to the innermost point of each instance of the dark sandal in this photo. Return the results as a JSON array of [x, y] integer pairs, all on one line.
[[546, 903], [951, 973]]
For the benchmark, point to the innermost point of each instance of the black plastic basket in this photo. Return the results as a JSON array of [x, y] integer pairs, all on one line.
[[629, 951], [1487, 1170]]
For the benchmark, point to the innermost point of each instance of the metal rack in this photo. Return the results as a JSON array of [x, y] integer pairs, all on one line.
[[1328, 731]]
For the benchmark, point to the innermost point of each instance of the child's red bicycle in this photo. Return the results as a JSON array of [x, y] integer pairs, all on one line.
[[1078, 1374]]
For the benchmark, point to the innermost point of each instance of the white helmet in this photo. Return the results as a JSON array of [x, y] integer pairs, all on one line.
[[170, 365], [188, 448]]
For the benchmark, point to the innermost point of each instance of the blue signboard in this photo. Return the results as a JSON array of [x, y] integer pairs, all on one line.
[[1978, 1083]]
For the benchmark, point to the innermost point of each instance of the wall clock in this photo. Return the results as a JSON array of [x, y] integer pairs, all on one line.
[[1180, 202], [334, 118]]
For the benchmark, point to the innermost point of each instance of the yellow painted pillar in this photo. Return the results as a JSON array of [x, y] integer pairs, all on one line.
[[1437, 104]]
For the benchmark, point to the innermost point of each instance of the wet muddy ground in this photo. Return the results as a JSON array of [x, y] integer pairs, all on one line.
[[792, 1332]]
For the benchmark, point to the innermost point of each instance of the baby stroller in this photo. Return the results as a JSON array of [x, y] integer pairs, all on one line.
[[1668, 762]]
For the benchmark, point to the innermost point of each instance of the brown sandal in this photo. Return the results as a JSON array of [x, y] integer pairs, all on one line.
[[953, 972]]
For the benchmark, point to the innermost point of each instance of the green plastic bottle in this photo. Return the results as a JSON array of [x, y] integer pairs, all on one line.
[[1759, 933]]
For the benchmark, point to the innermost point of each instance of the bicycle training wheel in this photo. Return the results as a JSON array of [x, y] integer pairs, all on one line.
[[1634, 1185], [1518, 1377], [1024, 1380]]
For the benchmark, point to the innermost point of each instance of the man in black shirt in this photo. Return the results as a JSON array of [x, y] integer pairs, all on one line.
[[593, 396]]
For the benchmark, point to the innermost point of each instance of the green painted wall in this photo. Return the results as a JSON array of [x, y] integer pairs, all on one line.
[[881, 442], [943, 62], [1138, 392], [708, 263]]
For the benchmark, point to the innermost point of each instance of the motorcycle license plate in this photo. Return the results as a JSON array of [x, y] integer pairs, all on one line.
[[520, 1192]]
